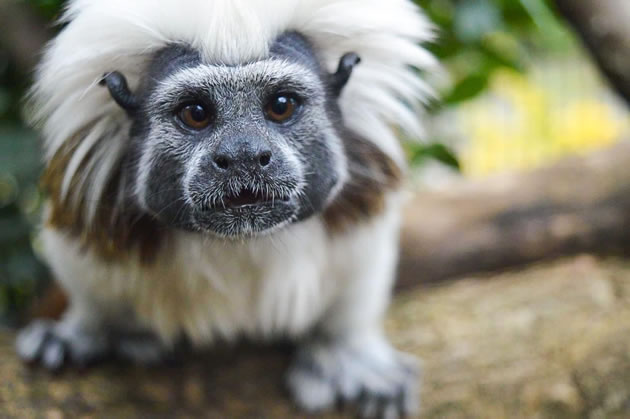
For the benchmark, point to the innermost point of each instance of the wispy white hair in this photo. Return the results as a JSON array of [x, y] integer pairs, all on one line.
[[381, 99]]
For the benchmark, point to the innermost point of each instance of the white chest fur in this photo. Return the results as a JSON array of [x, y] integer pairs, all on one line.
[[274, 286], [268, 287]]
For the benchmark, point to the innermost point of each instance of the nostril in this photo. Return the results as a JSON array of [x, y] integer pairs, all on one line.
[[265, 159], [222, 162]]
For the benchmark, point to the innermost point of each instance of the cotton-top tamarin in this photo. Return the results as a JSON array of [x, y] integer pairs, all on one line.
[[220, 169]]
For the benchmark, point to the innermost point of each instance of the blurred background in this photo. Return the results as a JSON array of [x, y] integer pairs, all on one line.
[[518, 234], [520, 93]]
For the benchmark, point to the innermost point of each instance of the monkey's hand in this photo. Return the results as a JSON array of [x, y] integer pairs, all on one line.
[[54, 345], [367, 372]]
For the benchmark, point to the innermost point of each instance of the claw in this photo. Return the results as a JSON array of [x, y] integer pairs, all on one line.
[[381, 386]]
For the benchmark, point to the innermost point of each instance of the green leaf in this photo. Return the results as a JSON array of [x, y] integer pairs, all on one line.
[[468, 88], [48, 8], [495, 59], [420, 153]]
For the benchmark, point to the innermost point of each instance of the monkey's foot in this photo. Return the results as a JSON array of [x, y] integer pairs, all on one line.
[[54, 345], [381, 382]]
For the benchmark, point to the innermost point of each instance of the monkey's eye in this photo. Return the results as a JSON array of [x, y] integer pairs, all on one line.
[[195, 116], [281, 108]]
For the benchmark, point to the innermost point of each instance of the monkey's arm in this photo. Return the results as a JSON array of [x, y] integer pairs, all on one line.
[[349, 358], [93, 327], [84, 336]]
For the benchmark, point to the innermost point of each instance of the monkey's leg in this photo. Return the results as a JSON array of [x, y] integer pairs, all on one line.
[[364, 370], [82, 337], [349, 359], [78, 338], [96, 325]]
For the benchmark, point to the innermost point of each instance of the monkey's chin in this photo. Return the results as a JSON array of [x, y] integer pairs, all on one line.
[[246, 221]]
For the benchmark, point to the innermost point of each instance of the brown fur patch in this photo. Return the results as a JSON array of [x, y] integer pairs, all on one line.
[[114, 232], [372, 174], [51, 305], [113, 235]]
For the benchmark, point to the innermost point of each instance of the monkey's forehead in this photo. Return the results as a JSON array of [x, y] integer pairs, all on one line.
[[269, 74], [234, 31]]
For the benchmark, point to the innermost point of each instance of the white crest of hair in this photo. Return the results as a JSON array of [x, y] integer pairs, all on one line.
[[381, 99]]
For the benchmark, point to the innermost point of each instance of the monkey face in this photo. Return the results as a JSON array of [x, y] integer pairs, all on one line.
[[236, 150]]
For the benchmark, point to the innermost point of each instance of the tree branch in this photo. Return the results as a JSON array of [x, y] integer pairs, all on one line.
[[604, 28], [580, 205]]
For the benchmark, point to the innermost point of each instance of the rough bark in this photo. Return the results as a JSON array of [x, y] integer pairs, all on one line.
[[549, 342], [581, 204], [603, 26]]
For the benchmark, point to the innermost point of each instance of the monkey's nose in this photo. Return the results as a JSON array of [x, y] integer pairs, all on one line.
[[252, 162], [242, 155]]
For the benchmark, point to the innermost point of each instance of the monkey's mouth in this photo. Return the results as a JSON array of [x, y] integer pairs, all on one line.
[[250, 197], [247, 213]]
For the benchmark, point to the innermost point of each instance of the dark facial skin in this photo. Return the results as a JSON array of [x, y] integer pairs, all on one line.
[[234, 151]]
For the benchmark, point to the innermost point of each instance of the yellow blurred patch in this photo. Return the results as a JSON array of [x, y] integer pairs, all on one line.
[[529, 120]]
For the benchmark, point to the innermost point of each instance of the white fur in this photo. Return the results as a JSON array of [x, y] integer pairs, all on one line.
[[280, 285], [120, 35], [269, 287]]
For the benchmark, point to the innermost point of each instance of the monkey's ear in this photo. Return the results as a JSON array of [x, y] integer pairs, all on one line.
[[117, 85], [344, 71]]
